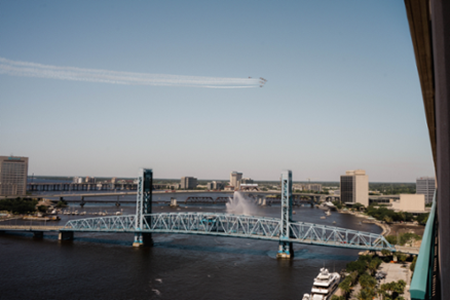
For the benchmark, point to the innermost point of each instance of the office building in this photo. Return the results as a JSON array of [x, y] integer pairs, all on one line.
[[214, 185], [355, 187], [13, 175], [188, 183], [426, 186], [246, 180], [235, 178], [314, 187]]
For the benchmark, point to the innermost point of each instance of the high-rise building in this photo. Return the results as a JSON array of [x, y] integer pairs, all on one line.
[[426, 186], [355, 187], [13, 175], [235, 178], [188, 183]]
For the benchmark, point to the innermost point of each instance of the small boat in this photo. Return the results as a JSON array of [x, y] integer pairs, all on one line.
[[328, 213]]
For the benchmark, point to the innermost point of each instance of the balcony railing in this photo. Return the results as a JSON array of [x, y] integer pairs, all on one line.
[[423, 282]]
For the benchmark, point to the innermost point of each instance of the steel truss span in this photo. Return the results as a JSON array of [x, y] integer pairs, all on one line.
[[229, 225]]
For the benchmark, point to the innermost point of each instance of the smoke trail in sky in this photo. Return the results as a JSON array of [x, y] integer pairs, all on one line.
[[28, 69]]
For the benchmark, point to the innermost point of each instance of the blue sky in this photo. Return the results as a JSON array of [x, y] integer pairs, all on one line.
[[342, 92]]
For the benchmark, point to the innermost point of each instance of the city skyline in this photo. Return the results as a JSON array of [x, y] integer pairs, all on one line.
[[342, 91]]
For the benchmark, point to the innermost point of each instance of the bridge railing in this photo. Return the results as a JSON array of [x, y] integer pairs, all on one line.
[[124, 223], [422, 281], [337, 237], [213, 223]]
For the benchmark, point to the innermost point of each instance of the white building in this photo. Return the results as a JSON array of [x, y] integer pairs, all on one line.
[[426, 186], [355, 187]]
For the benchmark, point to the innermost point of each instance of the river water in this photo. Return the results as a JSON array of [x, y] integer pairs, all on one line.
[[105, 266]]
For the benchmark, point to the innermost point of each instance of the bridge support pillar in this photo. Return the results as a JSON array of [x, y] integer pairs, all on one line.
[[65, 235], [286, 250], [142, 240], [143, 209]]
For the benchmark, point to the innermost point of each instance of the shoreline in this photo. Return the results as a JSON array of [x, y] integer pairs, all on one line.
[[384, 226]]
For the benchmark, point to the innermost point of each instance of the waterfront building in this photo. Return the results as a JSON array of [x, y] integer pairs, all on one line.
[[315, 187], [188, 183], [13, 175], [90, 180], [355, 187], [214, 185], [246, 180], [235, 178], [426, 186], [249, 187], [78, 180], [411, 203]]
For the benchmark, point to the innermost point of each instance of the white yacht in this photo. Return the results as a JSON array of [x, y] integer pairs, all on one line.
[[324, 285]]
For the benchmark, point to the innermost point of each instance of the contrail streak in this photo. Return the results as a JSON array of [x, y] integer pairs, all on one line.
[[29, 69]]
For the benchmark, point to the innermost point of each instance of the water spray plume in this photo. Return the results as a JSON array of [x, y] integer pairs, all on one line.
[[239, 205], [29, 69]]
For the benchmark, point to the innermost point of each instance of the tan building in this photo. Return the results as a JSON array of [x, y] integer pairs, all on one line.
[[235, 179], [355, 187], [412, 203], [13, 175]]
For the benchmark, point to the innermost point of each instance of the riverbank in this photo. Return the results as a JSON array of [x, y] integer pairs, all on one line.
[[384, 226]]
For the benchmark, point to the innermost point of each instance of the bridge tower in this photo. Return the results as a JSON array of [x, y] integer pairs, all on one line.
[[143, 206], [285, 247]]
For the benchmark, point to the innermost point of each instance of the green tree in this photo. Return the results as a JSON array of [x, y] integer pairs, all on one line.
[[393, 290], [373, 265], [61, 204], [401, 256], [413, 264], [359, 266], [346, 285], [367, 281], [42, 208], [19, 205], [366, 294]]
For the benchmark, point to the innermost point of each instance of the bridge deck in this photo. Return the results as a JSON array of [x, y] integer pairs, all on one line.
[[30, 228]]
